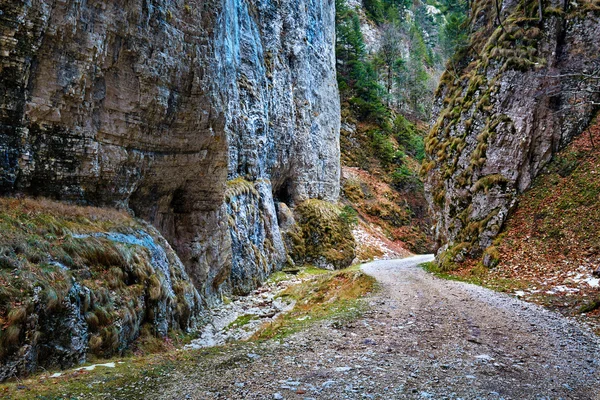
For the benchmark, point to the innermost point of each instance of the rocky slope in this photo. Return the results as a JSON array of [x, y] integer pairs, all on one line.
[[198, 116], [547, 252], [519, 92], [83, 280]]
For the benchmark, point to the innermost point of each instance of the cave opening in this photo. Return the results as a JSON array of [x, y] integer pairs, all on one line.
[[284, 193]]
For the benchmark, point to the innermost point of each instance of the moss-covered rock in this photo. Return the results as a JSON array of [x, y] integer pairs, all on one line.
[[81, 281], [507, 102], [325, 238]]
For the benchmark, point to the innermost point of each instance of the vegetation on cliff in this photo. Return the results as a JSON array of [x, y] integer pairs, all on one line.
[[325, 236], [549, 249], [78, 281], [386, 81], [507, 101]]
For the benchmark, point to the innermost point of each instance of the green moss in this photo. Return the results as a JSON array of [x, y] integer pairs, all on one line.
[[489, 181], [326, 236], [491, 256], [352, 190], [590, 306], [447, 260], [439, 197], [241, 321], [326, 295]]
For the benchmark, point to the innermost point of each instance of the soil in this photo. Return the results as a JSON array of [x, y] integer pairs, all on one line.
[[421, 337]]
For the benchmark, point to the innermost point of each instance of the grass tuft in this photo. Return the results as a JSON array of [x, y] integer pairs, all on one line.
[[328, 295]]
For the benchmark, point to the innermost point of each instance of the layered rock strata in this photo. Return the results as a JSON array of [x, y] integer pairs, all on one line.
[[197, 116]]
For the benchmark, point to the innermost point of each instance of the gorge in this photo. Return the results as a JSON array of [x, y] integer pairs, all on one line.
[[159, 158], [204, 119]]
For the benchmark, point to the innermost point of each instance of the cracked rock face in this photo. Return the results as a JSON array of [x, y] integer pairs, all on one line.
[[198, 116], [155, 105], [502, 114]]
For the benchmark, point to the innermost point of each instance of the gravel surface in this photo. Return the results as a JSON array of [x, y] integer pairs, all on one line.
[[422, 338]]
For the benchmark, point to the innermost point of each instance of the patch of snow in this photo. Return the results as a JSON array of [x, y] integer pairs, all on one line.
[[93, 367], [87, 368], [562, 289], [593, 282]]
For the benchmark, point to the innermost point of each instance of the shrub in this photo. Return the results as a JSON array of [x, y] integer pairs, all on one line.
[[326, 234], [405, 179], [349, 216]]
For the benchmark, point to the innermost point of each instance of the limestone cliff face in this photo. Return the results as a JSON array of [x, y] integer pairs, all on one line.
[[197, 116], [516, 95], [154, 105], [282, 122]]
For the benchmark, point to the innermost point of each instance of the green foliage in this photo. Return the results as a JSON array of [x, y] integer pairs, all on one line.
[[357, 77], [408, 136], [375, 9], [454, 33], [405, 179], [349, 216], [383, 147]]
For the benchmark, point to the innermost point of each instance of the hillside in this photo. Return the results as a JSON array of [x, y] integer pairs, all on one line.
[[390, 56], [524, 86]]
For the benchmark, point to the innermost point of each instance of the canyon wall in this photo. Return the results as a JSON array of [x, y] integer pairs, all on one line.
[[197, 116], [519, 91], [154, 105]]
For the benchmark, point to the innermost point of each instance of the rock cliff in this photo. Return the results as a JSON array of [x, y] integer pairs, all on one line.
[[520, 91], [197, 116], [155, 105]]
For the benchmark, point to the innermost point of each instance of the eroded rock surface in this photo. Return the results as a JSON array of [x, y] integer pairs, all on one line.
[[515, 96], [198, 116]]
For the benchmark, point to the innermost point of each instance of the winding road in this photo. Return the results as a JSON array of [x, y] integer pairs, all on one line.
[[422, 338]]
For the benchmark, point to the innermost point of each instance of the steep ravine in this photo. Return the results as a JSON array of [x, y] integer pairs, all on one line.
[[207, 119]]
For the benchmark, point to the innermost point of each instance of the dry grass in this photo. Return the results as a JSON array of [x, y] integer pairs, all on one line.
[[40, 251], [333, 295]]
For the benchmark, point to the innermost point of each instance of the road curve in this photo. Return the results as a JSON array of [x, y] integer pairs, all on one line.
[[420, 338], [490, 344]]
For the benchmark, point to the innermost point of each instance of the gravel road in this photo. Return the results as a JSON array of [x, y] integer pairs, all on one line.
[[422, 338]]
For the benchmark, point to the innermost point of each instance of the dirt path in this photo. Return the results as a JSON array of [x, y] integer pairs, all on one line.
[[422, 338]]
